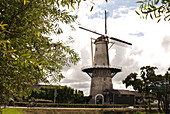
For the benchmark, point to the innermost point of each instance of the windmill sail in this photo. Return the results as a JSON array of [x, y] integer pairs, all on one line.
[[90, 31], [105, 22], [118, 40]]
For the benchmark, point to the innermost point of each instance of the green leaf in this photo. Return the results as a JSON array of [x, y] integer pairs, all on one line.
[[71, 2], [145, 6], [3, 52], [167, 16], [151, 16], [26, 1], [41, 62], [146, 16], [62, 3], [25, 55], [155, 14], [139, 2], [156, 1], [137, 12], [1, 22], [140, 7], [91, 8], [158, 16], [38, 34], [4, 25], [79, 3], [73, 7], [148, 4], [152, 6], [33, 60], [14, 50], [58, 3], [4, 44]]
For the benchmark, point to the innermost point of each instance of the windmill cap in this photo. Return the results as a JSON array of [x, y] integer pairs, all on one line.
[[106, 36]]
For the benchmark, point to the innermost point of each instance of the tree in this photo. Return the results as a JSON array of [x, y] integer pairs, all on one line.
[[64, 94], [155, 9], [27, 55], [148, 83], [138, 85], [78, 96]]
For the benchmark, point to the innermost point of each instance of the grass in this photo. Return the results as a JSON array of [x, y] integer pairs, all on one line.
[[12, 111], [54, 111], [61, 111], [77, 111], [37, 110]]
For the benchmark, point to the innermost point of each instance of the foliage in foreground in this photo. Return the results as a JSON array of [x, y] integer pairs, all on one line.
[[27, 55], [159, 9]]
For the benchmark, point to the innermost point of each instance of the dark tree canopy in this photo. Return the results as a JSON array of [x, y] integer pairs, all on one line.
[[27, 55]]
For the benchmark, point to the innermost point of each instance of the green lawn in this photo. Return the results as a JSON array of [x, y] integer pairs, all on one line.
[[12, 111], [73, 111]]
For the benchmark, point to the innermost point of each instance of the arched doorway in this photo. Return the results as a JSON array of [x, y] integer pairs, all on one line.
[[99, 99]]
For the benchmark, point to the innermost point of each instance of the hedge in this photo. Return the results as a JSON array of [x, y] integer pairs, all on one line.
[[43, 101], [143, 106], [61, 105]]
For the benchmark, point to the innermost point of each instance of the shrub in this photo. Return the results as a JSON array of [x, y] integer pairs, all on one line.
[[43, 101], [72, 105]]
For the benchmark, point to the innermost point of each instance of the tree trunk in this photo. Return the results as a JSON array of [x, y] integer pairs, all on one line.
[[159, 108], [144, 103]]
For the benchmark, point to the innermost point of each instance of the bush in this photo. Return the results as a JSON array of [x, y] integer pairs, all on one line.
[[43, 101], [79, 105], [138, 112], [143, 106], [21, 103]]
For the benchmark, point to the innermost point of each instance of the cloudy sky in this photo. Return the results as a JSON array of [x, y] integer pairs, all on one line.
[[150, 41]]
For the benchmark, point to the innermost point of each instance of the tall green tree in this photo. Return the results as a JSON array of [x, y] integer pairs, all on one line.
[[159, 9], [27, 55], [149, 83]]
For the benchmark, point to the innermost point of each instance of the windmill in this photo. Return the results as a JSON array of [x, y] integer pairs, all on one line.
[[101, 72]]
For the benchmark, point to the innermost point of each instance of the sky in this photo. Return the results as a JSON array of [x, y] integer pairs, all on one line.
[[150, 41]]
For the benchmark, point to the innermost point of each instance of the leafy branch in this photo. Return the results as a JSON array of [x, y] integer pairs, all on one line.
[[155, 9]]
